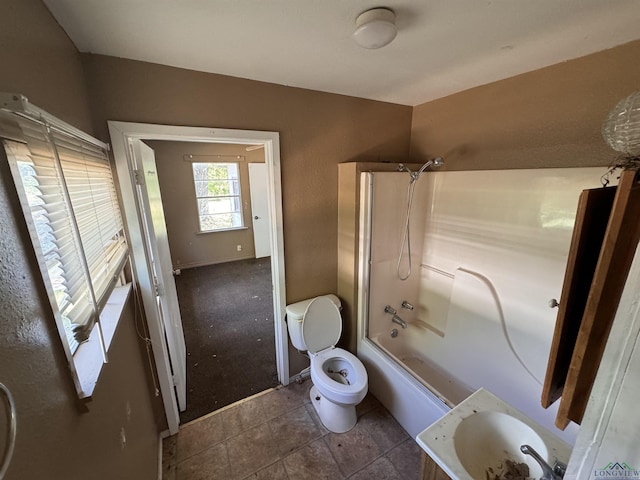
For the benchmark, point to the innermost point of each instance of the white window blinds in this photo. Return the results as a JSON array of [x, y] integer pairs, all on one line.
[[70, 203]]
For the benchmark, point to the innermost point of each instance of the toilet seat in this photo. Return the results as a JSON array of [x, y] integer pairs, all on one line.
[[321, 330], [338, 392]]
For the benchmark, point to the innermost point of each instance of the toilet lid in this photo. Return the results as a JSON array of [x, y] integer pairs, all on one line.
[[322, 325]]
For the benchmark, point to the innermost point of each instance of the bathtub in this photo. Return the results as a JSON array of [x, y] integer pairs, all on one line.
[[414, 390], [406, 351]]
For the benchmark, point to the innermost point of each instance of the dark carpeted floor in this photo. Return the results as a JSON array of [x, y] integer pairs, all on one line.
[[227, 316]]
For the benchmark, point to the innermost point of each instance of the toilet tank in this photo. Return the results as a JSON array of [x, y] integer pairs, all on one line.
[[295, 315]]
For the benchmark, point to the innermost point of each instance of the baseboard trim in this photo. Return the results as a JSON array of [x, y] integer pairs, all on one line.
[[160, 438]]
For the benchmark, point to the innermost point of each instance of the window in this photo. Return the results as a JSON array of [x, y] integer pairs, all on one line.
[[218, 196], [70, 204]]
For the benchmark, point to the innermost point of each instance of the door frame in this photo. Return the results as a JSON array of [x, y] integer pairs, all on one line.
[[122, 134]]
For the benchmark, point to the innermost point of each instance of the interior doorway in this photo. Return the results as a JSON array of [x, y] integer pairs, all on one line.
[[215, 203], [126, 137]]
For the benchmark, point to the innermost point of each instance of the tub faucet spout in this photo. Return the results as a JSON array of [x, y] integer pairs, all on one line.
[[399, 321], [394, 317]]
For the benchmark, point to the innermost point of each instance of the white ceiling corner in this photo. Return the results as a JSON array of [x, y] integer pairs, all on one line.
[[442, 47]]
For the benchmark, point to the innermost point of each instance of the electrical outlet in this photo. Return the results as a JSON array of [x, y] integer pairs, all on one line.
[[239, 248]]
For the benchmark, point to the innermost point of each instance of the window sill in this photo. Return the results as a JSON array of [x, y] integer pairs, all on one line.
[[222, 230], [88, 358]]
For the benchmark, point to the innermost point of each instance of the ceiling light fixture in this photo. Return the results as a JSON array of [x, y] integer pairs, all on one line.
[[375, 28]]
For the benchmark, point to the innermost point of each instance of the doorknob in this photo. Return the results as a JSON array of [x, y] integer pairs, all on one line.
[[256, 217]]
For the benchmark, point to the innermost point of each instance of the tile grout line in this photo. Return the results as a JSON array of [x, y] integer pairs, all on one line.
[[280, 457], [221, 411], [383, 451], [332, 455], [323, 435]]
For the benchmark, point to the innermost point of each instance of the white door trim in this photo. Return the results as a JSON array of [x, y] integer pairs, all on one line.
[[121, 134]]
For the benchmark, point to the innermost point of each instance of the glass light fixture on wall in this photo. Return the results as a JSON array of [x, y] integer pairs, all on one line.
[[621, 129]]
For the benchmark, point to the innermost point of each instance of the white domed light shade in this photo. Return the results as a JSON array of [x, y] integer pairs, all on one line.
[[621, 130], [375, 28]]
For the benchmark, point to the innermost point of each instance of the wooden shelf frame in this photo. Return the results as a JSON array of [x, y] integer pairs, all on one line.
[[584, 341]]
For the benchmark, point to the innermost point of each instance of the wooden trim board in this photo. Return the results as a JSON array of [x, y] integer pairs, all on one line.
[[619, 245], [592, 217]]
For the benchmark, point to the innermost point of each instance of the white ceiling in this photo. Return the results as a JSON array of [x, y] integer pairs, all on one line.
[[443, 46]]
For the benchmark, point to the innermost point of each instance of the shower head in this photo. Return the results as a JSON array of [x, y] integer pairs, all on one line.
[[436, 162]]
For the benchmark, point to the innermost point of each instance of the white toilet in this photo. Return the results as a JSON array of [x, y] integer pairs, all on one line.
[[339, 378]]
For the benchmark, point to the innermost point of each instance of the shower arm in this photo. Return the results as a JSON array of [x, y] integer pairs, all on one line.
[[436, 162]]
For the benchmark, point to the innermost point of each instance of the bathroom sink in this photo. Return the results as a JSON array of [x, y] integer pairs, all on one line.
[[481, 437], [484, 441]]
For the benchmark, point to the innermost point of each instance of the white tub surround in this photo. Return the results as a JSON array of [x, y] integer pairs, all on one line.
[[492, 248], [476, 438]]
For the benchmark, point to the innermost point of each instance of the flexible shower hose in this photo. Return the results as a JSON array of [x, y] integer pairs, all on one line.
[[406, 239]]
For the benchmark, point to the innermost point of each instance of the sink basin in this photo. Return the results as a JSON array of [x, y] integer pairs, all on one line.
[[477, 437], [484, 441]]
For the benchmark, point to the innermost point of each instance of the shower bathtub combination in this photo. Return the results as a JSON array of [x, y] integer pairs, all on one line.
[[456, 273]]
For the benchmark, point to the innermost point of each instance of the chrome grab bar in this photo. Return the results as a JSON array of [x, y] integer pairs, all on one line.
[[8, 453]]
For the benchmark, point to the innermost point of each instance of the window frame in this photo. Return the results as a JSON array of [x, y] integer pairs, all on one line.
[[86, 358], [239, 196]]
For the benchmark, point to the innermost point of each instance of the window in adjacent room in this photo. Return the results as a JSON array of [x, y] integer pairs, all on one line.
[[218, 197]]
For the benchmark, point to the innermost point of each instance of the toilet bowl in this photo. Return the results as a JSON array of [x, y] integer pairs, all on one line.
[[339, 378]]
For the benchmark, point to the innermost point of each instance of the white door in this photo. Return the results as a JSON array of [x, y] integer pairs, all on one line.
[[159, 261], [260, 208]]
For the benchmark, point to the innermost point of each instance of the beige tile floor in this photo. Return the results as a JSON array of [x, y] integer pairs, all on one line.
[[277, 435]]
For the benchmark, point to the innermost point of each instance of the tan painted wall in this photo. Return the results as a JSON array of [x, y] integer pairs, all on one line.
[[56, 439], [546, 118], [188, 247], [317, 131], [39, 61]]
